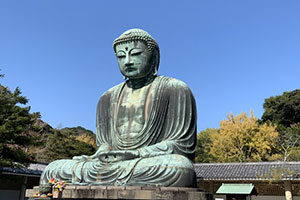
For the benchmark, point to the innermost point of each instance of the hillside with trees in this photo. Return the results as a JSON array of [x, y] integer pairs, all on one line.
[[25, 138], [52, 144]]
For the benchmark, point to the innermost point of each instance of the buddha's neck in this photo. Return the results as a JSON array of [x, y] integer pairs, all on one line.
[[141, 82]]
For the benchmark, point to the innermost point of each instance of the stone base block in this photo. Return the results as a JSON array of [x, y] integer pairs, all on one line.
[[72, 192]]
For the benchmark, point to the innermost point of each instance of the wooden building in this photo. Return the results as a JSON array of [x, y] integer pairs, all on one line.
[[14, 181], [270, 180]]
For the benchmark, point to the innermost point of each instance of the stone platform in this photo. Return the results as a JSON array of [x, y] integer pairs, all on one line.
[[72, 192]]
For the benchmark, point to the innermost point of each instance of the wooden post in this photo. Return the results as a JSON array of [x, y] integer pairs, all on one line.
[[288, 190], [211, 187], [23, 189]]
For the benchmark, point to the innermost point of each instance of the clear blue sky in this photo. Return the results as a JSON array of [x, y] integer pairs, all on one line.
[[232, 54]]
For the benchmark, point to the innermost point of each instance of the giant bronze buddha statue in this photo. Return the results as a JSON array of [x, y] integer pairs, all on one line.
[[146, 126]]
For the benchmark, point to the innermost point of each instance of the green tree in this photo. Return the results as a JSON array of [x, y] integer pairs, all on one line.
[[288, 148], [284, 112], [204, 143], [15, 125], [283, 109], [243, 139]]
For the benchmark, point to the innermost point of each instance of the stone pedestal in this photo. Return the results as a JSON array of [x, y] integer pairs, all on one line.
[[115, 192]]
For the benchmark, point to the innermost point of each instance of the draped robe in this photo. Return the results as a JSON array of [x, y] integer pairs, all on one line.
[[166, 143]]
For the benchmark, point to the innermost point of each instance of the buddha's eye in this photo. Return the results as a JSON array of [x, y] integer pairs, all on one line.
[[136, 52], [121, 54]]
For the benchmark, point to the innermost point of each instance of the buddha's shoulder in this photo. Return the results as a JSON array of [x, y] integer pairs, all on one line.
[[172, 82], [113, 90]]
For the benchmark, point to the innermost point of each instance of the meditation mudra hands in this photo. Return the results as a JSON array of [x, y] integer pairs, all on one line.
[[110, 156], [116, 156]]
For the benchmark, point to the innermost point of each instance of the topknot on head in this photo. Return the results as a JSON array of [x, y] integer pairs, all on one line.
[[137, 34]]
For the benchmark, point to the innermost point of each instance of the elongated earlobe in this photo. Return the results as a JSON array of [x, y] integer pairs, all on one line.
[[155, 62], [155, 71]]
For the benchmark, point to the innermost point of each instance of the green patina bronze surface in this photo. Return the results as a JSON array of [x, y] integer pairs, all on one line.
[[146, 126]]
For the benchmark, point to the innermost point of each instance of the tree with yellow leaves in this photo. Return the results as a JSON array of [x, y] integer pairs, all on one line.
[[242, 139]]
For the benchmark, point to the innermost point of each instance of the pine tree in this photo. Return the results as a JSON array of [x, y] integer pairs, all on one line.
[[15, 124]]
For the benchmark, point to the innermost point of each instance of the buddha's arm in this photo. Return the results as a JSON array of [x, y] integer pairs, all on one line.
[[161, 148], [179, 127], [102, 138]]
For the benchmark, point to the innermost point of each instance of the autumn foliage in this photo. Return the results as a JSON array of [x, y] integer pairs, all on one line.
[[242, 139]]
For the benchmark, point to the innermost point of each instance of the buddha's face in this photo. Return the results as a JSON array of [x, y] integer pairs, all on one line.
[[134, 59]]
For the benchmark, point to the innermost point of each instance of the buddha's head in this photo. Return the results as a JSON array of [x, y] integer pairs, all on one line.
[[137, 53]]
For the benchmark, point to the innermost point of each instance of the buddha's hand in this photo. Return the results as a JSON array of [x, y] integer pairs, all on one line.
[[116, 156], [102, 148]]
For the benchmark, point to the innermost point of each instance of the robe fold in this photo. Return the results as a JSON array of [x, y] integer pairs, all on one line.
[[166, 144]]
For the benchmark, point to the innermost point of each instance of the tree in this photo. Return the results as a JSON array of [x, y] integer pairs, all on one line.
[[284, 112], [243, 139], [204, 143], [288, 148], [283, 109], [15, 124]]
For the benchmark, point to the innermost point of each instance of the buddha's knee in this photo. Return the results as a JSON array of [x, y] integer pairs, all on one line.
[[168, 161], [59, 169], [58, 165], [166, 170]]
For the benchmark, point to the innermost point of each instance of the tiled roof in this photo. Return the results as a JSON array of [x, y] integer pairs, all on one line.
[[32, 170], [37, 166], [248, 171]]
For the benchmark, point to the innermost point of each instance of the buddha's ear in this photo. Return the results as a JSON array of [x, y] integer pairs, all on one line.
[[155, 61]]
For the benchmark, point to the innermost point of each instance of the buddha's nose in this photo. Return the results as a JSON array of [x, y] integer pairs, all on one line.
[[128, 60]]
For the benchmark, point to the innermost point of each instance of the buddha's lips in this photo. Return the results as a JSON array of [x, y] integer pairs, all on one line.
[[130, 69]]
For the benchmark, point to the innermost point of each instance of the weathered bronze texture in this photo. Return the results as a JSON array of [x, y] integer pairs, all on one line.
[[146, 126]]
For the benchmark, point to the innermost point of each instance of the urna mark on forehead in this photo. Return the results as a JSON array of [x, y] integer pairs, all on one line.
[[128, 45]]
